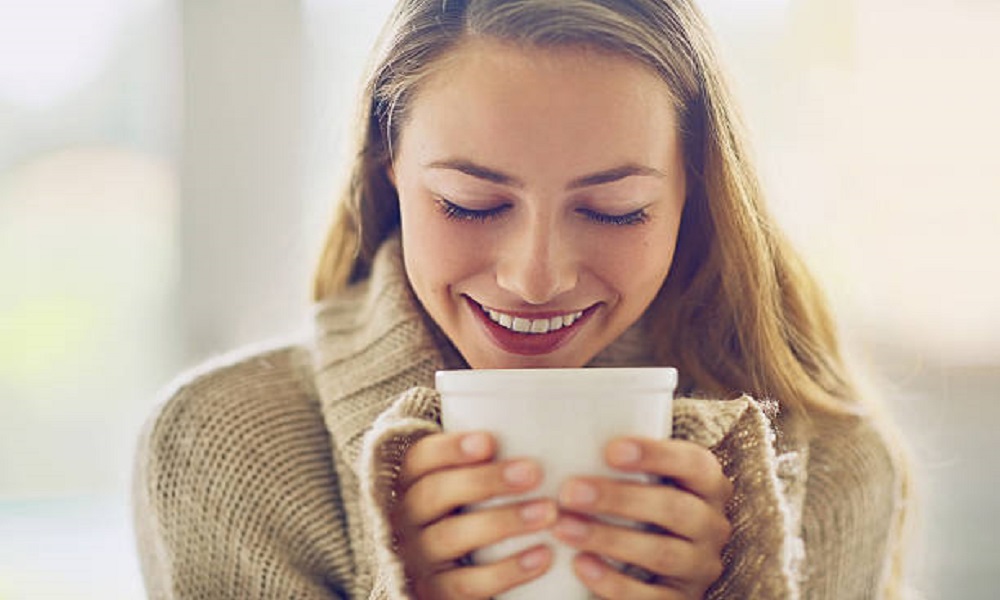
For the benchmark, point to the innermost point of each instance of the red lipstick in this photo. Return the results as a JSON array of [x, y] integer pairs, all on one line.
[[527, 344]]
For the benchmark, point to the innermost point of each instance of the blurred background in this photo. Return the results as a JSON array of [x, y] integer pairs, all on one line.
[[166, 172]]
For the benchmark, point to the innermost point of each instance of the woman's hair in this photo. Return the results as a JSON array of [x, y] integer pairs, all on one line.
[[738, 312]]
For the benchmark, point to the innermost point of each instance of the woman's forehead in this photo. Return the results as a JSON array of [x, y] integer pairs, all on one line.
[[524, 106]]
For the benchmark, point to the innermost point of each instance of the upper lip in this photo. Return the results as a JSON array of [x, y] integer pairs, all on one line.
[[548, 314]]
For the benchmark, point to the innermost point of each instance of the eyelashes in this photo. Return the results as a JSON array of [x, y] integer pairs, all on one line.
[[459, 213], [636, 217]]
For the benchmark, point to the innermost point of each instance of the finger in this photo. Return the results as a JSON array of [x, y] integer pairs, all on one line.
[[486, 581], [607, 582], [689, 465], [441, 492], [450, 539], [444, 450], [665, 555], [676, 510]]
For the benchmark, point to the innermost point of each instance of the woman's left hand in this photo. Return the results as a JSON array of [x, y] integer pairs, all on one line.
[[689, 527]]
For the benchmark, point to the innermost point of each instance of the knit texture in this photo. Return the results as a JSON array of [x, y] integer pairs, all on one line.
[[272, 473]]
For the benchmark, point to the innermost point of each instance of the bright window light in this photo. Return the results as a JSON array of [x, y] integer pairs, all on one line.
[[50, 48]]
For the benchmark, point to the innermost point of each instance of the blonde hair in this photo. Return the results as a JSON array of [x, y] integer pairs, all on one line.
[[739, 312]]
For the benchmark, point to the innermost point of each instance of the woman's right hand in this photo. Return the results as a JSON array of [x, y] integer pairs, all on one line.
[[444, 472]]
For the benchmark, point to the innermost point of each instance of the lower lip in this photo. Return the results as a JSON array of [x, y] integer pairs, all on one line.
[[527, 344]]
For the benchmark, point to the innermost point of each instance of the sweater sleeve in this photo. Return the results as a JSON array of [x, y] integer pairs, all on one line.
[[764, 555], [234, 490], [412, 416], [819, 520]]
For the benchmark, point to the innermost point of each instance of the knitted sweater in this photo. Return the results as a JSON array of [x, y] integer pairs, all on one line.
[[271, 473]]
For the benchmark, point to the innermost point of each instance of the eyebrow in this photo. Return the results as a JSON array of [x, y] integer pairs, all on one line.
[[493, 176]]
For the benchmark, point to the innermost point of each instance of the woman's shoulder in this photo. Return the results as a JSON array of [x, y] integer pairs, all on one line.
[[256, 383], [237, 455], [243, 410], [864, 442], [855, 506]]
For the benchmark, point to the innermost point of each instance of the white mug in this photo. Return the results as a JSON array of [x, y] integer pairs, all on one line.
[[563, 418]]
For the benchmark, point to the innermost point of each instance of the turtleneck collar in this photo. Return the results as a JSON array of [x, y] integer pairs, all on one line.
[[374, 341]]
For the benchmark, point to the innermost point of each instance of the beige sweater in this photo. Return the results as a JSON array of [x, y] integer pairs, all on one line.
[[269, 474]]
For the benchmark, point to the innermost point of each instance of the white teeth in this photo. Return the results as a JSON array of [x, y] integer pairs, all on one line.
[[521, 325], [533, 326]]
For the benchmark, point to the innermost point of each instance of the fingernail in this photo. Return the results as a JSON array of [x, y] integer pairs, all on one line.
[[590, 569], [624, 453], [572, 528], [537, 512], [520, 473], [578, 493], [475, 444], [534, 559]]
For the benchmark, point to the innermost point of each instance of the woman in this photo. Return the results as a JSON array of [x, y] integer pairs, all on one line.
[[536, 184]]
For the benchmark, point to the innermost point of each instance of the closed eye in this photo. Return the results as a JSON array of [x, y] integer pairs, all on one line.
[[460, 213], [636, 217]]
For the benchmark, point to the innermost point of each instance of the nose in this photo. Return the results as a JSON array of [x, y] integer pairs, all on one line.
[[537, 263]]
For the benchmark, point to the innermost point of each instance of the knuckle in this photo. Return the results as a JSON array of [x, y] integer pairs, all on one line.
[[601, 538], [676, 505], [665, 560], [481, 528], [616, 585], [673, 594], [438, 539], [705, 463], [462, 588], [421, 495], [457, 584], [420, 451]]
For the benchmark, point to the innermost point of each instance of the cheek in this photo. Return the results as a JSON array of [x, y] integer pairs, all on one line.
[[636, 265], [437, 252]]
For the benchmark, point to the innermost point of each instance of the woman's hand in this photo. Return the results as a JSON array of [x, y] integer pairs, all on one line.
[[442, 473], [684, 551]]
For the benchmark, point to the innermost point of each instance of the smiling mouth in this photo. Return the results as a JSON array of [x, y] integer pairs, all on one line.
[[530, 334], [541, 323]]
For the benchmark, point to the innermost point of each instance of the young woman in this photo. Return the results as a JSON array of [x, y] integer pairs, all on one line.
[[536, 184]]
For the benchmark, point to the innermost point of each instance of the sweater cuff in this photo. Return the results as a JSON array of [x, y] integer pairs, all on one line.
[[414, 415], [765, 553]]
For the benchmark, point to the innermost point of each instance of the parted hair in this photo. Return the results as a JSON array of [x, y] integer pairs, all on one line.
[[739, 312]]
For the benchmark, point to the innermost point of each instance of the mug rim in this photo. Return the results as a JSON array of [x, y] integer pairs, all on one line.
[[633, 378]]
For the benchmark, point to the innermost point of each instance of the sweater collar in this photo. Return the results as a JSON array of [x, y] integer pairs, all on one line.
[[374, 341]]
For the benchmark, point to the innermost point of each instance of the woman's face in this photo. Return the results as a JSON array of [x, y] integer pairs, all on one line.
[[540, 194]]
